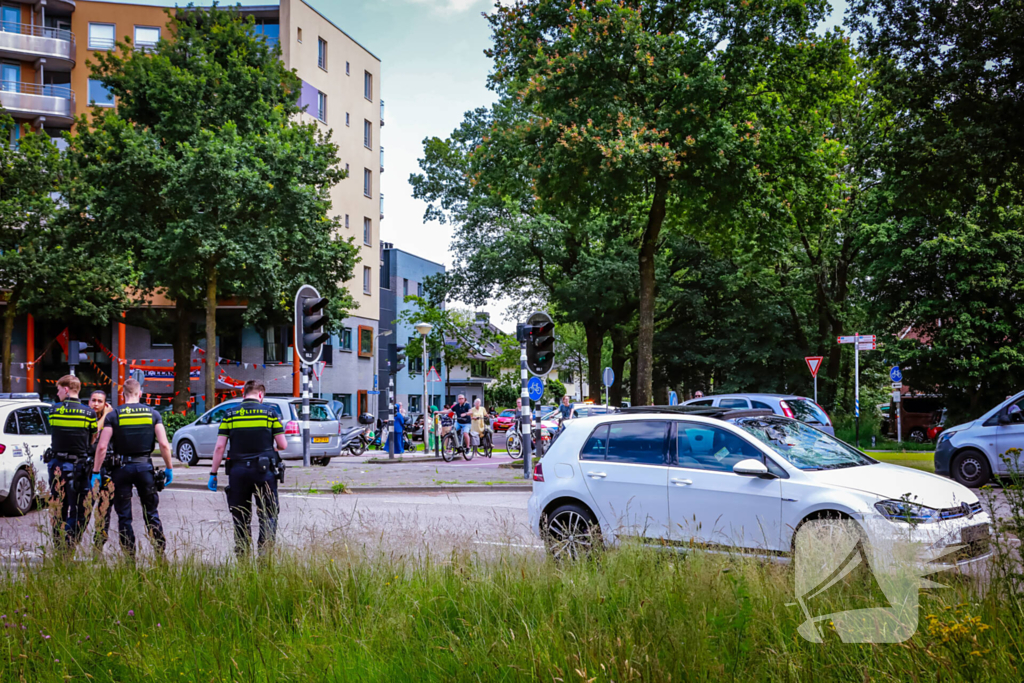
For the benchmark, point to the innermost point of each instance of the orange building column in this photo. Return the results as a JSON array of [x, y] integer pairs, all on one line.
[[122, 366], [30, 352]]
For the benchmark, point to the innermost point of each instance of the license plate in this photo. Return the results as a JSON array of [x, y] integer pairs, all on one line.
[[971, 534], [321, 439]]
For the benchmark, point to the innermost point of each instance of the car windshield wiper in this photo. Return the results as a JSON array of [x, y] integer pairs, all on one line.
[[839, 465]]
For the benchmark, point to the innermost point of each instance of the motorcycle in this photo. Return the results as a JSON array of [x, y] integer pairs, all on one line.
[[355, 440]]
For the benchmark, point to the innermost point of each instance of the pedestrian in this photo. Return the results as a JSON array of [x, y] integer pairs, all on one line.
[[477, 415], [399, 429], [252, 430], [565, 410], [104, 497], [134, 430], [72, 426], [698, 394]]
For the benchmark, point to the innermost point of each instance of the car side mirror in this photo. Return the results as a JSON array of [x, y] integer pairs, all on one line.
[[751, 468]]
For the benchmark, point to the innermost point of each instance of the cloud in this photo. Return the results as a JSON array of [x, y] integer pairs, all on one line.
[[455, 6]]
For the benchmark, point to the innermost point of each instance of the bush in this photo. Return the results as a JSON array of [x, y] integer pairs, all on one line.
[[175, 421]]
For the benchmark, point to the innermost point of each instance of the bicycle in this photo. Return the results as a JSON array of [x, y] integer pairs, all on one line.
[[514, 444], [453, 445], [486, 441]]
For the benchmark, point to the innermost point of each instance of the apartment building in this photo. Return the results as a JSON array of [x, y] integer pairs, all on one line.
[[45, 48]]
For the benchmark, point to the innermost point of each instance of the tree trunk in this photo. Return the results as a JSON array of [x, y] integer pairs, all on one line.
[[595, 340], [648, 248], [632, 378], [182, 356], [211, 337], [8, 335], [618, 367]]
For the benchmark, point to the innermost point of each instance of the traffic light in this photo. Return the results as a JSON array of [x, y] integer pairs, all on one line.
[[309, 323], [539, 335], [76, 352], [396, 358]]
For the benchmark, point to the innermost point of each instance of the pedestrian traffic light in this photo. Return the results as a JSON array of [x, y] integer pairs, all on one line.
[[310, 319], [539, 335]]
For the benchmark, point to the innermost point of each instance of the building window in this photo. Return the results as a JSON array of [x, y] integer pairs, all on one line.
[[229, 348], [366, 279], [414, 404], [346, 404], [276, 343], [101, 36], [478, 368], [367, 182], [363, 401], [368, 85], [268, 30], [367, 134], [347, 118], [367, 230], [321, 106], [405, 286], [419, 289], [300, 35], [345, 339], [146, 37], [346, 171], [382, 205], [99, 94], [346, 69], [321, 53], [365, 340], [346, 215]]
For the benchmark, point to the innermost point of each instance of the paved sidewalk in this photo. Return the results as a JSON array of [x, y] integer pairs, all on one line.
[[357, 473]]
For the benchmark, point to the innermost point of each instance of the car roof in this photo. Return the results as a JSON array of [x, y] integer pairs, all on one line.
[[697, 411]]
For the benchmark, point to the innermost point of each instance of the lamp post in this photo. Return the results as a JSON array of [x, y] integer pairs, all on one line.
[[376, 368], [424, 329]]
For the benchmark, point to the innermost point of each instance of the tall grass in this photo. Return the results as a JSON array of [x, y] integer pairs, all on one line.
[[337, 613]]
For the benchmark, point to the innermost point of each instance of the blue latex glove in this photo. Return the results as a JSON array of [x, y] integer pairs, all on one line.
[[168, 476], [212, 485], [95, 480]]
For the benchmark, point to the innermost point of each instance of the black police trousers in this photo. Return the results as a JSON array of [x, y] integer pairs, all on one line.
[[140, 475], [248, 479], [69, 484]]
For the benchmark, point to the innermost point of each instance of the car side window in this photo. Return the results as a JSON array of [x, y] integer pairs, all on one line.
[[30, 422], [761, 406], [733, 403], [704, 402], [597, 445], [640, 443], [317, 413], [11, 426], [704, 447], [218, 414]]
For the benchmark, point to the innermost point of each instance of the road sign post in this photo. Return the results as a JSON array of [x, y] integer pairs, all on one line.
[[608, 377], [814, 364], [526, 421], [896, 375], [861, 342]]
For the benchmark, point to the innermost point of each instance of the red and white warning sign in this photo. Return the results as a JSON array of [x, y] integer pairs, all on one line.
[[813, 364]]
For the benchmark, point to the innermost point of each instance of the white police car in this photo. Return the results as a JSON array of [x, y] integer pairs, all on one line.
[[25, 434]]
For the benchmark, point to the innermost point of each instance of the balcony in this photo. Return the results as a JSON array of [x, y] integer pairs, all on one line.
[[29, 43], [54, 102]]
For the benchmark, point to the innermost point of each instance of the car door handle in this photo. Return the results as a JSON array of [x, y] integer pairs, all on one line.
[[596, 475], [682, 482]]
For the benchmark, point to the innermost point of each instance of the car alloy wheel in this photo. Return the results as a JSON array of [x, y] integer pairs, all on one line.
[[971, 469], [571, 533], [187, 453], [918, 435]]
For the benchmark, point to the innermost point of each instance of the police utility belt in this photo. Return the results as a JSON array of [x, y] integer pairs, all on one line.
[[115, 460], [49, 455], [263, 462]]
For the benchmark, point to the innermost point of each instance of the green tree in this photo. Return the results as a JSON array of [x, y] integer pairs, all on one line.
[[651, 104], [46, 267], [554, 390], [204, 173]]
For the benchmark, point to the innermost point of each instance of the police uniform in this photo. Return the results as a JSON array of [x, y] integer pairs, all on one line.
[[72, 425], [134, 436], [106, 506], [251, 427]]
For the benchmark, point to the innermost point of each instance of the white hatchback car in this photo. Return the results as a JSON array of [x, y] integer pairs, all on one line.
[[738, 479], [24, 437]]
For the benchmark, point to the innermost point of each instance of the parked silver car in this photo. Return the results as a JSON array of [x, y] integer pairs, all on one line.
[[197, 441], [787, 405]]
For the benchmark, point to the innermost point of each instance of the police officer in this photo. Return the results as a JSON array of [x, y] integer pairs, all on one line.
[[253, 429], [72, 426], [134, 429], [104, 505]]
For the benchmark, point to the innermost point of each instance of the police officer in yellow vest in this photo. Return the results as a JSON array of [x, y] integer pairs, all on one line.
[[252, 429], [134, 429], [72, 425]]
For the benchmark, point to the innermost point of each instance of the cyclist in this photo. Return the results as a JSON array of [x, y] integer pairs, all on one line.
[[460, 411]]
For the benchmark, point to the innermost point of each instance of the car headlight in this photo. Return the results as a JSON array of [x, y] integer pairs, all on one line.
[[946, 436], [911, 513]]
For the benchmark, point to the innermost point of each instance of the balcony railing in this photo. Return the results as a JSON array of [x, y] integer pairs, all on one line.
[[38, 41], [382, 159], [382, 112], [382, 206], [33, 99]]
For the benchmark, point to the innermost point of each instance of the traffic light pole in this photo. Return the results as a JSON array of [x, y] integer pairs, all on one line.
[[305, 414], [527, 418], [390, 423]]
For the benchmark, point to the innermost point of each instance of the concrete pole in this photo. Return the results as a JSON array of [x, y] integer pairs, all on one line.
[[527, 421], [305, 415]]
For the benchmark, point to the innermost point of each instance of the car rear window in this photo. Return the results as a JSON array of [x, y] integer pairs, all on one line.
[[318, 412], [921, 405], [733, 403], [808, 411]]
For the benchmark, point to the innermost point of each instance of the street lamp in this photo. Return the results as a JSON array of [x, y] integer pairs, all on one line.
[[376, 367], [424, 329]]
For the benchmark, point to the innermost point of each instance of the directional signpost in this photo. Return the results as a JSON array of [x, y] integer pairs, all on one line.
[[814, 364], [861, 342]]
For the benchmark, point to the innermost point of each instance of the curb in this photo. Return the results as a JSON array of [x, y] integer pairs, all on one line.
[[357, 490], [395, 461]]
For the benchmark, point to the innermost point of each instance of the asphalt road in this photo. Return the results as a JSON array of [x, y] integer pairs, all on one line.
[[197, 524]]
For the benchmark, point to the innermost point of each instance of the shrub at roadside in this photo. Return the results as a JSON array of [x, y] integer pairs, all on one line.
[[175, 421]]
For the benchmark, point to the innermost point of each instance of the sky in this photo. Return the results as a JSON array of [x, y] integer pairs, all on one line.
[[433, 70]]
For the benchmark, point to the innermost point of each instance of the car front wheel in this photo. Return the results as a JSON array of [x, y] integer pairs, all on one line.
[[918, 435], [971, 469], [571, 532], [19, 500], [187, 453]]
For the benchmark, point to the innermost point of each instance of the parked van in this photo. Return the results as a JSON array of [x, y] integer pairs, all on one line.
[[918, 414]]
